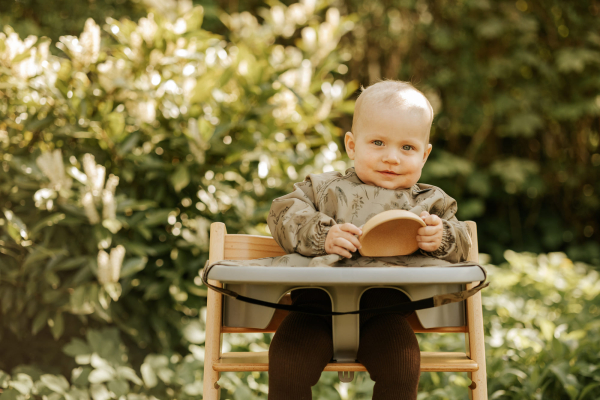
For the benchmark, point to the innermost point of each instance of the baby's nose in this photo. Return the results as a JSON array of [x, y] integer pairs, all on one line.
[[392, 156]]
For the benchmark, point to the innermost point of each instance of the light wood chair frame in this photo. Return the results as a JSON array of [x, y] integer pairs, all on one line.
[[225, 246]]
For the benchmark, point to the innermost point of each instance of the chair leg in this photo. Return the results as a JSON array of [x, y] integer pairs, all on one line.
[[478, 390], [211, 390], [476, 346], [212, 343]]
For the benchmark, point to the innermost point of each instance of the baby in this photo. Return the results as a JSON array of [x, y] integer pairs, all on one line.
[[322, 219]]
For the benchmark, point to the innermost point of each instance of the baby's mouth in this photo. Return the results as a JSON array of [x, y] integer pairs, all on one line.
[[388, 173]]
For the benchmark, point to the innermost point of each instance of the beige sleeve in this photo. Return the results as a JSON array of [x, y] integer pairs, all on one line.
[[456, 240], [296, 224]]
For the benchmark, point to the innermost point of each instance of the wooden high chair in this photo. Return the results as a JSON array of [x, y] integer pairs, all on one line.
[[225, 246]]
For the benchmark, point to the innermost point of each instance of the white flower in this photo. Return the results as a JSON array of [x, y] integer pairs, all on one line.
[[309, 38], [90, 42], [14, 46], [89, 207], [96, 189], [147, 28], [43, 197], [109, 267], [95, 173], [108, 198], [145, 111], [86, 48], [51, 165]]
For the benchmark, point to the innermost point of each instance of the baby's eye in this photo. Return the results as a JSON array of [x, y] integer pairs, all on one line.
[[377, 141], [407, 147]]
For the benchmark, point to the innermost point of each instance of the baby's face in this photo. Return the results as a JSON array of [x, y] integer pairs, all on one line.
[[389, 146]]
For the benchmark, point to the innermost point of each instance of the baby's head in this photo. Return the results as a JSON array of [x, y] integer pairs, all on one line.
[[390, 132]]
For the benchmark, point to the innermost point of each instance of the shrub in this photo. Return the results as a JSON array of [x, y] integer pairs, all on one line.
[[116, 158]]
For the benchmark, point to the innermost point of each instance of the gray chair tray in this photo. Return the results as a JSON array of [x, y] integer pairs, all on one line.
[[346, 275], [345, 286]]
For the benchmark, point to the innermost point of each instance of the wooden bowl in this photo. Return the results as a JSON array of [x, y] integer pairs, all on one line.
[[390, 233]]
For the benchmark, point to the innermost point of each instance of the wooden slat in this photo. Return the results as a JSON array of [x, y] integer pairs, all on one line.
[[430, 361], [248, 247], [281, 314]]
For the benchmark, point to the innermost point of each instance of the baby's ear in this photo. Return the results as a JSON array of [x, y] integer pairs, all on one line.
[[427, 152], [349, 144]]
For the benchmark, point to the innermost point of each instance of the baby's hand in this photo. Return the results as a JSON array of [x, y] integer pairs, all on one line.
[[429, 237], [341, 240]]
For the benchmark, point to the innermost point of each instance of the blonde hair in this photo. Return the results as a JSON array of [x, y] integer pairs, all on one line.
[[386, 92]]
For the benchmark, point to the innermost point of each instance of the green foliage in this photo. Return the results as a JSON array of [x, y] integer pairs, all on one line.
[[116, 158], [543, 318], [514, 85], [62, 17]]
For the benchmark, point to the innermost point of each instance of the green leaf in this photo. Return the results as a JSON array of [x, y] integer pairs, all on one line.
[[119, 387], [126, 146], [129, 374], [139, 205], [144, 231], [100, 375], [71, 263], [587, 390], [52, 279], [133, 265], [4, 378], [155, 290], [115, 123], [180, 178], [7, 299], [99, 392], [10, 394], [576, 59], [48, 221], [23, 383], [34, 258], [78, 394], [58, 325], [17, 229], [80, 300], [56, 383], [77, 347], [148, 375], [40, 320], [157, 217], [80, 375]]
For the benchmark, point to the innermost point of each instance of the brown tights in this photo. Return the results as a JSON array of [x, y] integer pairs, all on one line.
[[303, 345]]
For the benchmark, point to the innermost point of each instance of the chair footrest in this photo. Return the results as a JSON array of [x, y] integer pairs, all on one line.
[[430, 361]]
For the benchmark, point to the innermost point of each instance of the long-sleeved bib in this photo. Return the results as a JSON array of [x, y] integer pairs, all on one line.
[[300, 221]]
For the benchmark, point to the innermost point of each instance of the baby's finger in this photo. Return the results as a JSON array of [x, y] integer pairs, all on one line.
[[428, 239], [428, 246], [433, 219], [345, 244], [424, 214], [342, 252], [427, 230], [348, 227], [352, 239]]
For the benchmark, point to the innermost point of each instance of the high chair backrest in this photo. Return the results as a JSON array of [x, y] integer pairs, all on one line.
[[225, 246]]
